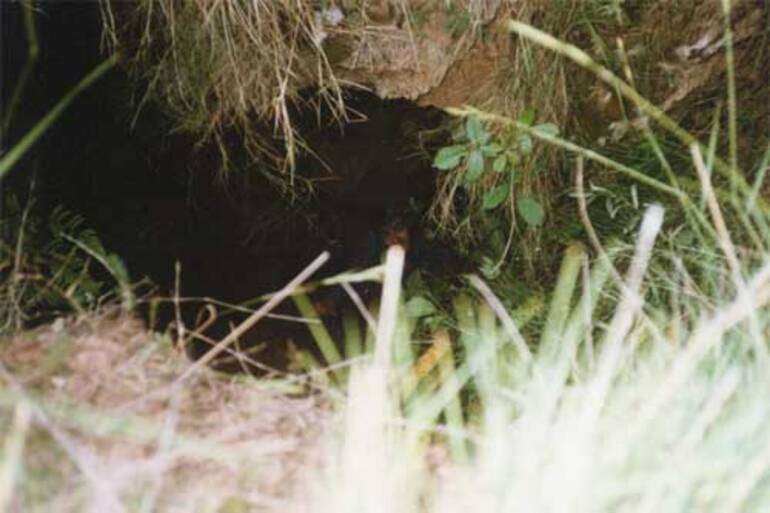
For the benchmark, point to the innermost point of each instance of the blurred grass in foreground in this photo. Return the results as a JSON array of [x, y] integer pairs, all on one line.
[[638, 414]]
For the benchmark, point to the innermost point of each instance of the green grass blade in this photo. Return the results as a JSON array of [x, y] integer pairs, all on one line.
[[560, 303], [30, 138], [658, 115], [318, 330], [453, 410], [12, 460], [351, 330], [33, 52]]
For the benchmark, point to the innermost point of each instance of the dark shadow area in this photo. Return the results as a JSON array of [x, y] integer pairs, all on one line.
[[156, 198]]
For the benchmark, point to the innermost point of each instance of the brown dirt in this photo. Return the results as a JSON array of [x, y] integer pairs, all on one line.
[[402, 59], [472, 79], [98, 385]]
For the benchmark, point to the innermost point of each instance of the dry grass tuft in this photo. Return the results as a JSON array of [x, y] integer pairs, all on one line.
[[104, 438], [221, 66]]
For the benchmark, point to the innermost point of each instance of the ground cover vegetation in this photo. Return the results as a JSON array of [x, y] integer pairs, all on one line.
[[607, 350]]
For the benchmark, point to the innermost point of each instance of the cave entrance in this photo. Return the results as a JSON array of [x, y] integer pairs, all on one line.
[[238, 237], [156, 197]]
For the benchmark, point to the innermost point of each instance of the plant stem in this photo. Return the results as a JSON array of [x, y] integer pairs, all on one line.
[[569, 146], [33, 51], [30, 138], [581, 58]]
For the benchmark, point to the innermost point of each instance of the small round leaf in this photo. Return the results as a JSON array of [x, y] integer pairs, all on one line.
[[475, 166], [499, 164], [449, 157], [474, 129], [495, 196], [530, 210], [491, 149]]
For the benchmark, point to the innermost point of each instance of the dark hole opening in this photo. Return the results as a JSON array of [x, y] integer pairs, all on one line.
[[156, 199]]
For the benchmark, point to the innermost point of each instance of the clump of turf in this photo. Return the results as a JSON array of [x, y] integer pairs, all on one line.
[[220, 66]]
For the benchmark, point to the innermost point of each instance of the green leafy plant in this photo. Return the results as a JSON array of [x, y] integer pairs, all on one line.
[[50, 263], [47, 259], [423, 301], [480, 155]]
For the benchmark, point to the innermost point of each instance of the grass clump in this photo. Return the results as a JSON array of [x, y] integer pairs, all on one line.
[[593, 416], [53, 267], [103, 435], [48, 256], [222, 66], [648, 46], [635, 419]]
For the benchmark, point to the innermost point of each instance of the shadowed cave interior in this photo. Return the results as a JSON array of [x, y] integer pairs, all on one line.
[[157, 197]]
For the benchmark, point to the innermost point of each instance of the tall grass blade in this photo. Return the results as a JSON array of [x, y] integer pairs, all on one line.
[[33, 52], [614, 345], [320, 334], [352, 335], [550, 339], [388, 316], [735, 174], [12, 457], [30, 138]]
